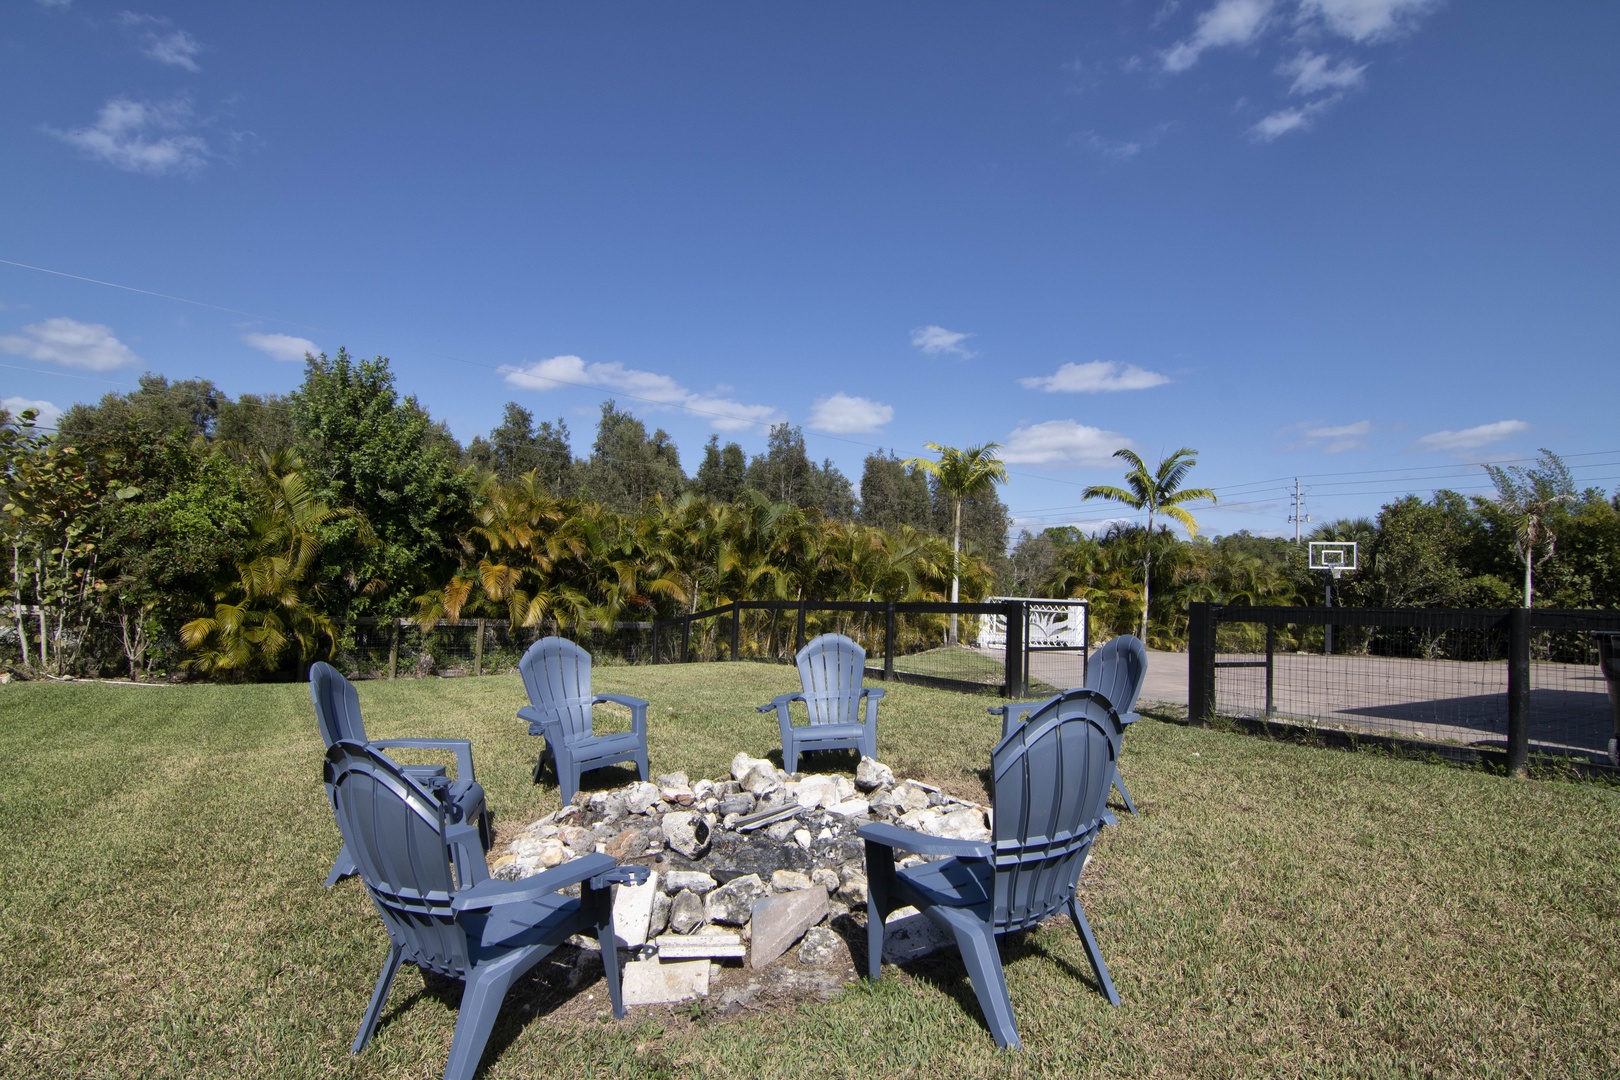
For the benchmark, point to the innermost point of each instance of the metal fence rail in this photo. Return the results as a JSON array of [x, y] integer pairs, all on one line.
[[1503, 681], [904, 642]]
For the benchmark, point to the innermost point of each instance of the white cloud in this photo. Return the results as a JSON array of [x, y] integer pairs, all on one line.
[[1096, 377], [1298, 118], [1119, 150], [933, 340], [843, 414], [1312, 75], [1473, 438], [283, 347], [1335, 440], [1229, 22], [724, 414], [1367, 20], [54, 3], [48, 413], [142, 137], [161, 42], [1067, 443], [69, 343]]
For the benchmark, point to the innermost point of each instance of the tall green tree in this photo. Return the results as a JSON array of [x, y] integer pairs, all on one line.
[[722, 474], [627, 467], [1528, 497], [384, 458], [785, 474], [892, 494], [1158, 491], [961, 474]]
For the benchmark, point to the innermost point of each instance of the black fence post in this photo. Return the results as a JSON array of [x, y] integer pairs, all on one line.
[[655, 641], [1200, 662], [1013, 651], [686, 640], [798, 633], [736, 629], [888, 642], [1518, 703], [1271, 664]]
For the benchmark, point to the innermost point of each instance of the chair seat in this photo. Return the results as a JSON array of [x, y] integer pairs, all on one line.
[[952, 882]]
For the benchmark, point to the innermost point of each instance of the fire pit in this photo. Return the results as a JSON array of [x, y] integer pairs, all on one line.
[[743, 868]]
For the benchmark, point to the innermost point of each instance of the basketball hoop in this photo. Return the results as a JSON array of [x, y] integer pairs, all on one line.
[[1334, 556]]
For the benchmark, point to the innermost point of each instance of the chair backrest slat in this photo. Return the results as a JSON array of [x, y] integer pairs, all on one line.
[[831, 668], [394, 830], [557, 675], [1051, 777], [1117, 670], [337, 705]]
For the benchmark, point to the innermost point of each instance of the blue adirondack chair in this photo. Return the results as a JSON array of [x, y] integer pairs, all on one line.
[[557, 675], [442, 910], [1050, 778], [337, 713], [1116, 671], [830, 669]]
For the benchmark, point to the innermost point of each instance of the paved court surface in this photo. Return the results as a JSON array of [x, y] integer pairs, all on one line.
[[1434, 700]]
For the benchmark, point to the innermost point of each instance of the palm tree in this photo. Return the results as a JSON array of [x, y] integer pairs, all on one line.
[[960, 474], [1527, 497], [1156, 492]]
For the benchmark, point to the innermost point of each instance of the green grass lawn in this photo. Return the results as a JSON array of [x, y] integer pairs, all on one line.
[[1276, 910]]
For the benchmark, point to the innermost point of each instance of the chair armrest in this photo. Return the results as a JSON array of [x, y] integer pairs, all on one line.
[[893, 836], [462, 748], [1128, 718], [496, 893], [542, 723], [637, 707], [875, 692], [780, 701]]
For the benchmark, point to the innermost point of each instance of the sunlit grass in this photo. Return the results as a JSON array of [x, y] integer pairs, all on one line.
[[1276, 910]]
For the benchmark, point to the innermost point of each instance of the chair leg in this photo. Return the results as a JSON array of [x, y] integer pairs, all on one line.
[[641, 763], [1119, 783], [480, 1006], [977, 941], [342, 868], [790, 756], [610, 966], [368, 1026], [567, 778], [1093, 953]]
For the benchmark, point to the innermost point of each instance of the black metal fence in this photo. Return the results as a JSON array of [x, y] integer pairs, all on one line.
[[399, 648], [904, 642], [1459, 682]]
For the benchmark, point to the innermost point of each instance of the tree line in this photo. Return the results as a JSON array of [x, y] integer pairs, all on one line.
[[175, 528]]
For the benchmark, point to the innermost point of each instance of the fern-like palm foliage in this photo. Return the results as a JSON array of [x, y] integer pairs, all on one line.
[[961, 474], [1158, 491], [270, 607]]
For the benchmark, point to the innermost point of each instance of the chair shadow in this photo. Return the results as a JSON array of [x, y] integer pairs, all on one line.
[[824, 760], [562, 976], [945, 971]]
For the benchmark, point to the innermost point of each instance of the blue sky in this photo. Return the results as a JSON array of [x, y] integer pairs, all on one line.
[[1368, 243]]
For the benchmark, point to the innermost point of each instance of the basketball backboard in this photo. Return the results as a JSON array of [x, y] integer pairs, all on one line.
[[1336, 556]]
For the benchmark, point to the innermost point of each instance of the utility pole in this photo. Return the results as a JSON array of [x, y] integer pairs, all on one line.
[[1299, 514]]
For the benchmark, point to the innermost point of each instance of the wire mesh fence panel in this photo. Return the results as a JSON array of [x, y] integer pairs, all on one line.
[[1428, 675], [1433, 683], [1569, 698]]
